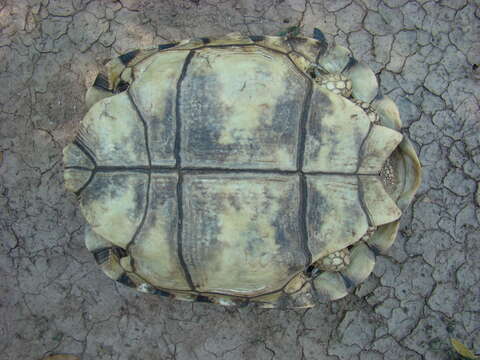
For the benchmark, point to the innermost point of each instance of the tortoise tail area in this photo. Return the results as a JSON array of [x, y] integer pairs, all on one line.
[[405, 160]]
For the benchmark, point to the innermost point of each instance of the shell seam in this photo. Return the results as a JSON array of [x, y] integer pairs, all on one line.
[[178, 162], [147, 195]]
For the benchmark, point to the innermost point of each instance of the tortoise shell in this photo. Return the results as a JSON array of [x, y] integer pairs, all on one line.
[[240, 169]]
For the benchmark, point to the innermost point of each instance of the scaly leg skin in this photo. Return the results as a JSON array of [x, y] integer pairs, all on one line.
[[336, 83], [335, 261]]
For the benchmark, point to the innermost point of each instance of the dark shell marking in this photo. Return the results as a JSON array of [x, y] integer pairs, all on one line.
[[126, 58]]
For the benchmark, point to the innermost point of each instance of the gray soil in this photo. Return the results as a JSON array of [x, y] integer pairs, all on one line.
[[55, 300]]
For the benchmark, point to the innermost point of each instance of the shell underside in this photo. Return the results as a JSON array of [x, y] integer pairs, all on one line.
[[222, 167]]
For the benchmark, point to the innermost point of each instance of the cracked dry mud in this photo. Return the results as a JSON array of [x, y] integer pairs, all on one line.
[[54, 299]]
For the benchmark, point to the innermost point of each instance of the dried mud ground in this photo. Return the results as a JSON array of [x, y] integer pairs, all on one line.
[[54, 299]]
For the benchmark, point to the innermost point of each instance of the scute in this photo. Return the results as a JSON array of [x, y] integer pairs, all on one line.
[[112, 130], [336, 129], [155, 93], [228, 118], [241, 235], [277, 43], [377, 147], [335, 214], [155, 250], [114, 205], [380, 208]]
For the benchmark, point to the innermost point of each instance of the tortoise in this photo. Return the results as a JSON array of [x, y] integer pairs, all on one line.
[[240, 169]]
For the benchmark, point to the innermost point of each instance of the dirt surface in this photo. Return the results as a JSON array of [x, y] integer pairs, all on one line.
[[54, 299]]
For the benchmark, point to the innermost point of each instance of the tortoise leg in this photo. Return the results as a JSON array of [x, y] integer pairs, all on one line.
[[340, 72], [330, 283], [336, 83], [328, 71], [332, 277], [297, 294], [335, 261], [116, 264], [113, 78], [344, 269], [108, 257], [116, 74], [336, 285], [101, 89]]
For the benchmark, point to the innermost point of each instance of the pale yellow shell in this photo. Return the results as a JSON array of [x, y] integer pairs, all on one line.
[[223, 170]]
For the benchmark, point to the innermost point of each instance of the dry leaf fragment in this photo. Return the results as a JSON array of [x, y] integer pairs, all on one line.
[[61, 357], [462, 349]]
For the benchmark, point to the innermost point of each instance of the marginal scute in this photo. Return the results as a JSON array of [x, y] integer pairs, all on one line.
[[378, 146], [184, 296], [295, 284], [380, 207], [388, 113], [307, 47], [127, 76], [94, 241], [302, 63], [98, 91], [384, 237], [111, 267], [114, 69], [364, 82], [75, 179], [74, 156], [361, 264], [278, 43], [126, 263], [190, 44], [234, 38], [141, 55]]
